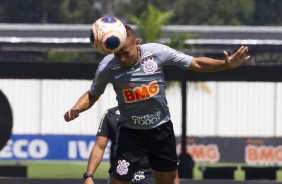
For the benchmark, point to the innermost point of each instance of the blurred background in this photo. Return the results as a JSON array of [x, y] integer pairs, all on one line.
[[228, 124]]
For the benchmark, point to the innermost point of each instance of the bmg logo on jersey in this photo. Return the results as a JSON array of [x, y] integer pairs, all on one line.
[[141, 93], [148, 119]]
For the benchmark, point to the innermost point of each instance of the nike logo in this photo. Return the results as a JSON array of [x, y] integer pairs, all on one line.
[[118, 76]]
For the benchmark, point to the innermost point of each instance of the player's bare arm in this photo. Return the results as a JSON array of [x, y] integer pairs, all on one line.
[[96, 156], [85, 102], [205, 64]]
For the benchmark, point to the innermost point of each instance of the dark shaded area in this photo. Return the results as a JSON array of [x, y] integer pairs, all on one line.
[[218, 172], [24, 70], [186, 165], [47, 181], [258, 173], [13, 170], [6, 120], [104, 181]]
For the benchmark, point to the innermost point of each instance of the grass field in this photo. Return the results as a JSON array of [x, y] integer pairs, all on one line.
[[54, 169], [66, 169]]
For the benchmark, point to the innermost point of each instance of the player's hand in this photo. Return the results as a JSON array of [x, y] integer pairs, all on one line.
[[88, 181], [71, 114], [236, 59]]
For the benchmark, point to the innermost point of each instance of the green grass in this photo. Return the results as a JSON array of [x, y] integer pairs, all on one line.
[[67, 169], [58, 169]]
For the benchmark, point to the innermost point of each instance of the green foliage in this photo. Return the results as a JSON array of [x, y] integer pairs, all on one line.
[[77, 12], [148, 15], [213, 12], [48, 11], [186, 12], [71, 56], [136, 7], [149, 25], [28, 11], [275, 57], [267, 13], [59, 169], [149, 22], [177, 41]]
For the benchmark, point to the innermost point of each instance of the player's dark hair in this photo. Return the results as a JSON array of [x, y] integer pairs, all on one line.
[[129, 31], [91, 37]]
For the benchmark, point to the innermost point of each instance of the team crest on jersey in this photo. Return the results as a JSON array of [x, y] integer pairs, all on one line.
[[116, 66], [149, 65], [122, 167]]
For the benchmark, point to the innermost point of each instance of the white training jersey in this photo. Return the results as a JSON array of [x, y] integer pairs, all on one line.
[[140, 89]]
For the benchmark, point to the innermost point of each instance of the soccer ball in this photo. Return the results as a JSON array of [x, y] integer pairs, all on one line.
[[107, 35]]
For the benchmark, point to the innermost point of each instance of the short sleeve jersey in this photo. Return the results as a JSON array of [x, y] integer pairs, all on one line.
[[140, 89], [107, 128]]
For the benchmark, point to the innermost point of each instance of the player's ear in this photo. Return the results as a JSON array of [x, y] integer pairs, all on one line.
[[138, 41]]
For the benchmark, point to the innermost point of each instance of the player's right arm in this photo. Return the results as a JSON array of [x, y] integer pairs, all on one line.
[[205, 64], [96, 156], [85, 102]]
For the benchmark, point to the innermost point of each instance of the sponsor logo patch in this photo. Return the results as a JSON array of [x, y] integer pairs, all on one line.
[[143, 92], [122, 167], [139, 175], [148, 119]]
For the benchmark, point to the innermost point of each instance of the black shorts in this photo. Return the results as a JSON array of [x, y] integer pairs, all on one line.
[[158, 144]]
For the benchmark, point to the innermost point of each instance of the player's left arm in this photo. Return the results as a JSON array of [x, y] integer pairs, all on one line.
[[205, 64], [96, 156]]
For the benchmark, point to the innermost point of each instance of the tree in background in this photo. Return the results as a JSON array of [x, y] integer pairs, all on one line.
[[186, 12], [48, 11], [77, 12], [27, 11], [149, 22], [71, 56], [213, 12], [267, 13], [136, 7], [148, 15], [149, 25]]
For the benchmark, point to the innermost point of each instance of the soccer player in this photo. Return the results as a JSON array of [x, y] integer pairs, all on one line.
[[145, 128], [106, 131]]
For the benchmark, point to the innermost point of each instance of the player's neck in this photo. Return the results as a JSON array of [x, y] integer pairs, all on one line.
[[138, 56]]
